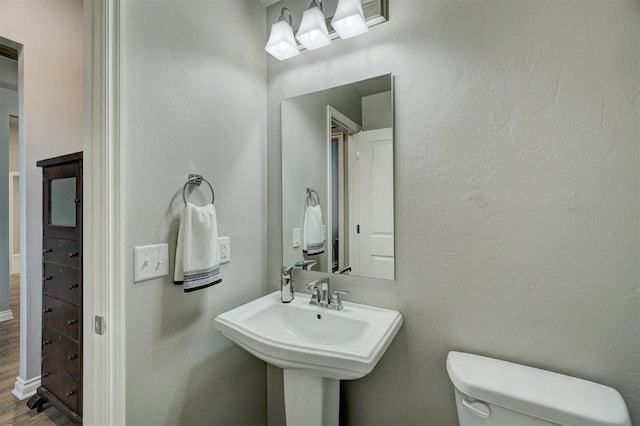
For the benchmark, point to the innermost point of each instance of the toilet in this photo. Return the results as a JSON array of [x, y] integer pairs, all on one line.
[[491, 392]]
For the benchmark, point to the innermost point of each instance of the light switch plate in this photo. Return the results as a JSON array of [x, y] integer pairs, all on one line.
[[224, 245], [296, 237], [150, 262]]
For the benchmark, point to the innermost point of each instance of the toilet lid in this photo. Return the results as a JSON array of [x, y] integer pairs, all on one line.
[[539, 393]]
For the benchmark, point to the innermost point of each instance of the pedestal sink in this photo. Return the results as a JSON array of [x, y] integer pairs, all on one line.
[[317, 347]]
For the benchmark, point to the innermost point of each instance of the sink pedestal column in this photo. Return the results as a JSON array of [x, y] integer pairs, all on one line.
[[310, 400]]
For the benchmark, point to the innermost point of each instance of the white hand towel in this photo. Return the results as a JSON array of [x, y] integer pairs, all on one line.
[[197, 259], [312, 241]]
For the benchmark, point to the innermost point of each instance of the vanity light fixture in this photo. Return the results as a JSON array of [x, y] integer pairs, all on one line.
[[351, 18], [281, 44], [349, 21], [313, 33]]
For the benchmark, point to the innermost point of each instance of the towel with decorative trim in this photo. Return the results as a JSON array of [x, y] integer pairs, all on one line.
[[313, 240], [197, 263]]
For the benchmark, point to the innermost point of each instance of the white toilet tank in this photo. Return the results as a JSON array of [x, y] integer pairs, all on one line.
[[491, 392]]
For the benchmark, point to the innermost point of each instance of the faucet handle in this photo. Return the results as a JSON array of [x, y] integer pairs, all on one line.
[[313, 286], [336, 300]]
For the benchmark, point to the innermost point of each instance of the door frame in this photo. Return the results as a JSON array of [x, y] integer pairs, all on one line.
[[350, 127], [104, 367]]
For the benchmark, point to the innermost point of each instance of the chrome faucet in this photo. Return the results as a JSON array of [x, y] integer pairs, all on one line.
[[287, 289], [322, 295]]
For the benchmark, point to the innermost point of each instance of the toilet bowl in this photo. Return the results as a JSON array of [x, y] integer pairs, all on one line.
[[492, 392]]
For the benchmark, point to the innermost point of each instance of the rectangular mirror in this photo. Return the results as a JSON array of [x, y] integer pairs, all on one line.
[[337, 180]]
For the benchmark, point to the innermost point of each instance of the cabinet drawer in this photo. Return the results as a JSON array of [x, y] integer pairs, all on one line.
[[61, 316], [62, 385], [62, 282], [63, 350], [62, 252]]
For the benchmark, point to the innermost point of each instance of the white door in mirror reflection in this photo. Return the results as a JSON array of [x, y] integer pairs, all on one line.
[[371, 194]]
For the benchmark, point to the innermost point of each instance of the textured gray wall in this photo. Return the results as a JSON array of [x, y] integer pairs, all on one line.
[[516, 194], [194, 102]]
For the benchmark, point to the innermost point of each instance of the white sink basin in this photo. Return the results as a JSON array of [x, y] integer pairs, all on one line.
[[344, 344]]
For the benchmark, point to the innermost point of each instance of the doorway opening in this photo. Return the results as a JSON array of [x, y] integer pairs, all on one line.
[[9, 169], [13, 295]]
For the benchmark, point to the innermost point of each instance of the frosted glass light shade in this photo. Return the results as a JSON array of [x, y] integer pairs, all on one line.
[[349, 21], [281, 43], [313, 33]]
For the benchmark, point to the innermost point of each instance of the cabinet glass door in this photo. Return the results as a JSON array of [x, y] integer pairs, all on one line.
[[63, 202]]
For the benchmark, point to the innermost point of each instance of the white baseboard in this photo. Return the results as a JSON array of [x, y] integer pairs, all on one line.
[[6, 315], [23, 389], [15, 263]]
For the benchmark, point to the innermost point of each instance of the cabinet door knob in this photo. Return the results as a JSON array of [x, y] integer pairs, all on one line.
[[73, 254], [71, 393], [46, 342], [71, 321], [47, 278], [47, 250], [46, 310], [45, 374], [72, 356], [74, 285]]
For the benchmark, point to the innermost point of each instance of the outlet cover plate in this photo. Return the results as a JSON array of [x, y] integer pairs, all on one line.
[[224, 245], [296, 237]]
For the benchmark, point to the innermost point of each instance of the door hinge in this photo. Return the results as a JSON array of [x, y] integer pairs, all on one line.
[[99, 325]]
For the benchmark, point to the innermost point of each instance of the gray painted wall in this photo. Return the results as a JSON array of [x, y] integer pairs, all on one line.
[[13, 143], [516, 194], [377, 111], [305, 142], [194, 102]]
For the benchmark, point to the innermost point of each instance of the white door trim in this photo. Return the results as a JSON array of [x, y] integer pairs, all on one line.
[[104, 369], [354, 206], [349, 126], [23, 389]]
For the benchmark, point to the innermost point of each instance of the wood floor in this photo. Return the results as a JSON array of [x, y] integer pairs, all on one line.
[[12, 411]]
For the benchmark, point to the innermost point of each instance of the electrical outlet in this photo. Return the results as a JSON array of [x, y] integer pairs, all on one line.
[[150, 262], [224, 245]]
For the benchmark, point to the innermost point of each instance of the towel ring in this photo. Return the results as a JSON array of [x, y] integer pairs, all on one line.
[[310, 193], [197, 180]]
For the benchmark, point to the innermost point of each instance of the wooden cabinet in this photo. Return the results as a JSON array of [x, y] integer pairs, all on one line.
[[61, 384]]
